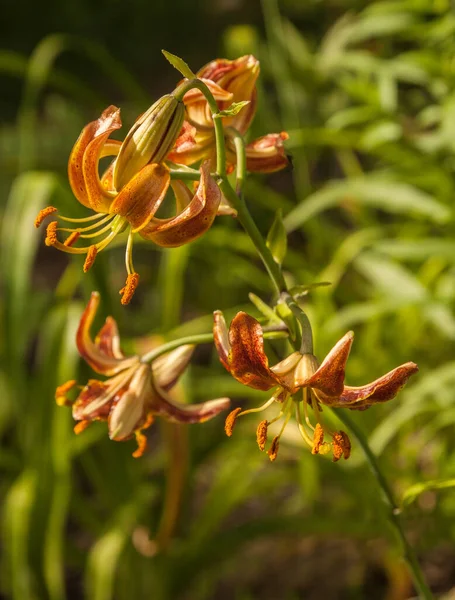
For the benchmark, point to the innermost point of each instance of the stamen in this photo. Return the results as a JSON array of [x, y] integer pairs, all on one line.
[[81, 426], [61, 391], [89, 227], [43, 213], [72, 239], [273, 450], [91, 255], [303, 433], [97, 233], [230, 421], [129, 288], [83, 219], [129, 253], [51, 234], [261, 434], [306, 401], [341, 445], [318, 439], [141, 440], [259, 408]]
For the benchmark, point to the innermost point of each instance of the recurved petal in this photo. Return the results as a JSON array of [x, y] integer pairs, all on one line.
[[141, 197], [169, 367], [94, 353], [200, 147], [93, 391], [329, 377], [266, 154], [108, 339], [383, 389], [248, 362], [167, 408], [221, 338], [192, 222], [99, 129]]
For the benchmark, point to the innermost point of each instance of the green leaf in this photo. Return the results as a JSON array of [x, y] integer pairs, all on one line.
[[302, 290], [391, 196], [277, 240], [233, 109], [179, 64], [264, 308], [415, 490]]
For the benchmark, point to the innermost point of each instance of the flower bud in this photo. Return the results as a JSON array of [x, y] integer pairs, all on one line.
[[150, 139]]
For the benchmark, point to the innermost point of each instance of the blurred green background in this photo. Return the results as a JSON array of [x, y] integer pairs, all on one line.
[[366, 92]]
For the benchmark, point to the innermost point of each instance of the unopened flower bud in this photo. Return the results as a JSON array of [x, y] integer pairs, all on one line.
[[150, 139]]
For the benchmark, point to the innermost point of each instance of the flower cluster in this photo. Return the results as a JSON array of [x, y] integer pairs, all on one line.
[[136, 392], [172, 132], [241, 351]]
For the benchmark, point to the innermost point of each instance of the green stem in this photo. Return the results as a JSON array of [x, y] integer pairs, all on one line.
[[393, 512], [203, 338]]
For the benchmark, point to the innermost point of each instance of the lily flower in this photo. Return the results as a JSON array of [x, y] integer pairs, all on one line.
[[136, 392], [229, 81], [241, 351], [132, 189]]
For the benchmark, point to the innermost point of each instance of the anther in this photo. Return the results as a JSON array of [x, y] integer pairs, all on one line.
[[90, 259], [43, 213], [51, 234], [81, 426], [273, 450], [261, 434], [341, 445], [141, 441], [72, 238], [61, 391], [129, 288], [318, 439], [230, 421]]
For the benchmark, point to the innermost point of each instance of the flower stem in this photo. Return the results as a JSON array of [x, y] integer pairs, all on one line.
[[393, 512], [203, 338]]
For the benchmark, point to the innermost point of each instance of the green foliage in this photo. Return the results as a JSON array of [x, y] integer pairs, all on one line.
[[365, 91]]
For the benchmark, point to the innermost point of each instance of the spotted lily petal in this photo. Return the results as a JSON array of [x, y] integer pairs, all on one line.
[[266, 154], [381, 390], [163, 406], [328, 380], [247, 361], [94, 353], [141, 197], [83, 162], [197, 217]]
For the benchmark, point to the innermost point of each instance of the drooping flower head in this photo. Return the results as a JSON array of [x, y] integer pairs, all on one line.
[[241, 351], [132, 189], [135, 392], [229, 81]]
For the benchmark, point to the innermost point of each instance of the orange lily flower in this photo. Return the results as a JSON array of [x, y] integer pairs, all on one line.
[[241, 351], [131, 190], [229, 81], [136, 392]]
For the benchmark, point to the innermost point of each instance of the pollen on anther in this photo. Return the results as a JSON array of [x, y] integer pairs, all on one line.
[[261, 434], [318, 439], [51, 234], [90, 259], [141, 441], [72, 238], [61, 391], [341, 445], [43, 213], [129, 288], [81, 426], [273, 450], [230, 421]]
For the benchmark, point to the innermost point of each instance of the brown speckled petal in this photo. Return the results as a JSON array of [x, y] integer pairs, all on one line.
[[381, 390], [329, 377], [248, 362]]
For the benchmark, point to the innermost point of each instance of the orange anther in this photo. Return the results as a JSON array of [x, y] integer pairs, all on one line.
[[43, 213], [129, 288], [90, 259]]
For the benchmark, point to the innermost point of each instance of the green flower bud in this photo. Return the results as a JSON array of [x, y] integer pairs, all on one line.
[[150, 139]]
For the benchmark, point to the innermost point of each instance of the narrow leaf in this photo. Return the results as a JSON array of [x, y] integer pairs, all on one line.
[[179, 64], [277, 240]]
